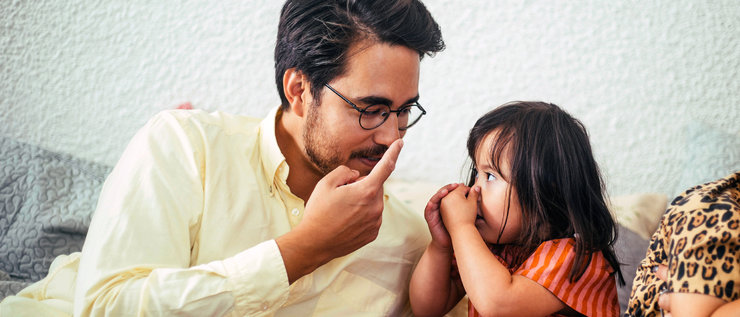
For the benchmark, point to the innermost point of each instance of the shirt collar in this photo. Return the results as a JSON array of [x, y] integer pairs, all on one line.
[[273, 160]]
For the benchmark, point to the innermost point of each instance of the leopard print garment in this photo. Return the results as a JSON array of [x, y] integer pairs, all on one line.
[[699, 239]]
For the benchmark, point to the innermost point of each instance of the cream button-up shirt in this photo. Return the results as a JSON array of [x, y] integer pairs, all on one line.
[[186, 222]]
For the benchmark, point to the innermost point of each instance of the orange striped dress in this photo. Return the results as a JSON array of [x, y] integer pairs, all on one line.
[[594, 294]]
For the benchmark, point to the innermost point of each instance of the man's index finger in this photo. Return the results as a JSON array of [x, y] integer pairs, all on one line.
[[386, 165]]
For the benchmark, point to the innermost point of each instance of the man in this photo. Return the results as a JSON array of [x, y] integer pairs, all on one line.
[[214, 214]]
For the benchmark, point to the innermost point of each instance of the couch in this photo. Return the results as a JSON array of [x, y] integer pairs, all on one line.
[[46, 203], [47, 200]]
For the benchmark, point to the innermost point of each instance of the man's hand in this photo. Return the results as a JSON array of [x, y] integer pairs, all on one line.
[[344, 213]]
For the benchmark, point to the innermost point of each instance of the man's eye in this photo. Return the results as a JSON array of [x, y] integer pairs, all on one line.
[[376, 111]]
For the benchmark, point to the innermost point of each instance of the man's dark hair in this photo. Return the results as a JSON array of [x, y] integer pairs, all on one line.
[[315, 35]]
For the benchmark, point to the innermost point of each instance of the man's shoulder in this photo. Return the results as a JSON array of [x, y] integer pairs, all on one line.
[[200, 132], [200, 118]]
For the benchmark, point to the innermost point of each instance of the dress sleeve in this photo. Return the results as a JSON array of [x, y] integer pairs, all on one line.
[[698, 239], [593, 294], [137, 256], [704, 250]]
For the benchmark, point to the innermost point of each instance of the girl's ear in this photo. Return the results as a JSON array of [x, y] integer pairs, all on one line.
[[297, 91]]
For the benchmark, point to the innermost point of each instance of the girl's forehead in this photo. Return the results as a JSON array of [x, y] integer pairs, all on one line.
[[485, 153]]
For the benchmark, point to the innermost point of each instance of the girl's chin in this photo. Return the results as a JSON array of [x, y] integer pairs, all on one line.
[[485, 232]]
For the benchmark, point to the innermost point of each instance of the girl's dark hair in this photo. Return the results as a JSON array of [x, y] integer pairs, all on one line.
[[315, 35], [556, 178]]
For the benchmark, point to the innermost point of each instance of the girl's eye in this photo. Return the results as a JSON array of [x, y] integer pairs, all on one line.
[[491, 177]]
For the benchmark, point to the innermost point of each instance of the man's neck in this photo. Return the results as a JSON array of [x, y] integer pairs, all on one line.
[[302, 177]]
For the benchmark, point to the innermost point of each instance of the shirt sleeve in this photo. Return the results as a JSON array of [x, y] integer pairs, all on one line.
[[703, 250], [136, 260]]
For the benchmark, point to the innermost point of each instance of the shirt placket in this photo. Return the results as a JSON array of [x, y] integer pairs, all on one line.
[[293, 206]]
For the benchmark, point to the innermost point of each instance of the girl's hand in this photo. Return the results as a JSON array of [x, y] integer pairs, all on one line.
[[440, 236], [460, 207], [664, 299]]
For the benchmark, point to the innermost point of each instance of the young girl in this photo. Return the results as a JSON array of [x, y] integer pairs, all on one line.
[[532, 235]]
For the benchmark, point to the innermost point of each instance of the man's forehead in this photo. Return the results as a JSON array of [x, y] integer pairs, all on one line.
[[380, 70]]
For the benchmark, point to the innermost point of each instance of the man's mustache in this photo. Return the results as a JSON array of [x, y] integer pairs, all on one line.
[[376, 151]]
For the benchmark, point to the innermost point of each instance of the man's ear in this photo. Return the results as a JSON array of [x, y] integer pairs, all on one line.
[[297, 91]]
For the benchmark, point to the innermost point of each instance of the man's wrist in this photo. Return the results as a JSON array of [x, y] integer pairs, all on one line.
[[300, 255]]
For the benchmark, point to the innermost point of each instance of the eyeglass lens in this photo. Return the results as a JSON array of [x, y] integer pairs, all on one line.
[[374, 115]]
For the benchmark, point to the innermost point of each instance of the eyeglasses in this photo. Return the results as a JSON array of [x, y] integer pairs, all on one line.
[[374, 116]]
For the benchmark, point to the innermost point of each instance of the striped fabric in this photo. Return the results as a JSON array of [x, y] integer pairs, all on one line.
[[594, 294]]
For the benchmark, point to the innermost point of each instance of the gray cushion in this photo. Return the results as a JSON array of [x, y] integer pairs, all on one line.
[[630, 249], [46, 202]]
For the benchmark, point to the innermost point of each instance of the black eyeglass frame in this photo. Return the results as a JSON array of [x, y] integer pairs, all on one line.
[[362, 111]]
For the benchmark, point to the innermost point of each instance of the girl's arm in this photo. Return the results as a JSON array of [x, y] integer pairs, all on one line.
[[488, 283], [688, 304], [728, 309], [691, 304], [433, 291]]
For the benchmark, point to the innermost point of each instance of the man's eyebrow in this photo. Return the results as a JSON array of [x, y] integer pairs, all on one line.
[[376, 100]]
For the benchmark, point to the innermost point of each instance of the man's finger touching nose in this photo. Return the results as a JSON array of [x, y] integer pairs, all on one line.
[[385, 166]]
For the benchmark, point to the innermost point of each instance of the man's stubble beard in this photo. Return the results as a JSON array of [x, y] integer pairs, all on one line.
[[322, 150]]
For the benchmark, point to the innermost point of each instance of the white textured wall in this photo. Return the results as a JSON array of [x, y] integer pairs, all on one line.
[[655, 82]]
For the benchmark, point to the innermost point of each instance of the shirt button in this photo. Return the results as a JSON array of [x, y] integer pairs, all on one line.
[[265, 307], [295, 212]]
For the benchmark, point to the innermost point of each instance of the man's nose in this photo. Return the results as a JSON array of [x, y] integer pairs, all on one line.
[[388, 132]]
